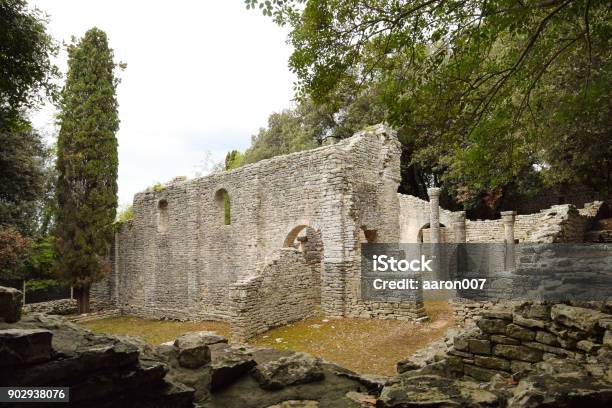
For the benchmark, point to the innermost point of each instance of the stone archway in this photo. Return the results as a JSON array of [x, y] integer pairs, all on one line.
[[308, 241], [423, 228]]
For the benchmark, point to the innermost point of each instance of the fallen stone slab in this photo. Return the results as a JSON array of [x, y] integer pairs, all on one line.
[[193, 351], [545, 390], [435, 391], [299, 368], [581, 318], [228, 366], [24, 346]]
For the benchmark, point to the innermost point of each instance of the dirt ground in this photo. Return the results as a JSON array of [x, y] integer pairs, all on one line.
[[364, 345]]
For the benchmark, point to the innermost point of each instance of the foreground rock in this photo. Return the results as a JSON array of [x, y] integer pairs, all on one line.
[[10, 304], [24, 346], [526, 355], [530, 356], [101, 371], [436, 391], [299, 368]]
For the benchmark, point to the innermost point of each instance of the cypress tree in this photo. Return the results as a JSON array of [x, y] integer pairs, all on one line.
[[87, 165]]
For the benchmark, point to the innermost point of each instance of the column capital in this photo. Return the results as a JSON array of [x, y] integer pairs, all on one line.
[[434, 192], [508, 216]]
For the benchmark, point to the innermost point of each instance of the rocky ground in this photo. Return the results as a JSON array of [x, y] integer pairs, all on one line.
[[200, 369]]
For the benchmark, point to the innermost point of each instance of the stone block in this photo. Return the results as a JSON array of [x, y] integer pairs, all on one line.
[[495, 363], [519, 332], [460, 343], [10, 304], [588, 346], [299, 368], [477, 346], [24, 346], [228, 366], [455, 363], [581, 318], [549, 349], [520, 353], [605, 323], [462, 354], [498, 314], [492, 326], [538, 311], [607, 338], [546, 338], [525, 322], [501, 339], [480, 373], [516, 366]]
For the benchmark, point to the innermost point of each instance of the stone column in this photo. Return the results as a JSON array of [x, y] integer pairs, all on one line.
[[434, 214], [508, 218], [460, 239], [459, 227]]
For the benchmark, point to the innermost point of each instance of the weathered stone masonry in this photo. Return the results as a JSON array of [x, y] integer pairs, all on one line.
[[178, 259], [293, 240]]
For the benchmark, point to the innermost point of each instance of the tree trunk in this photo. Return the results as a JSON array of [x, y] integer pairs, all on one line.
[[82, 296]]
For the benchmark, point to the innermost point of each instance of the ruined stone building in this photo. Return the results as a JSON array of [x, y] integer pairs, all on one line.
[[269, 242]]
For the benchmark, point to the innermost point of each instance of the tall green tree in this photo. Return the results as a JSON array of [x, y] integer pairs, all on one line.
[[87, 164]]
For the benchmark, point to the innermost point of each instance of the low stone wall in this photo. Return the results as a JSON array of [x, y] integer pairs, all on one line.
[[283, 291], [509, 341], [466, 311], [559, 223], [55, 307]]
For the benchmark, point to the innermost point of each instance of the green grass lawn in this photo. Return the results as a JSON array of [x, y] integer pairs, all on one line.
[[153, 331], [364, 345]]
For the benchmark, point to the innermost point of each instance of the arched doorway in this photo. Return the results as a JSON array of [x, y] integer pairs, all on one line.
[[426, 228], [308, 241]]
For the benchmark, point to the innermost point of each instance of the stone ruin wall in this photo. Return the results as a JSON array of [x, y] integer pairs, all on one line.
[[177, 258], [557, 224], [284, 291], [511, 339]]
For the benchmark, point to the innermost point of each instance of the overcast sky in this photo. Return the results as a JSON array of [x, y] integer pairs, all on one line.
[[202, 76]]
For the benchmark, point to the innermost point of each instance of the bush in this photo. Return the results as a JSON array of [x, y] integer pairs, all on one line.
[[13, 253]]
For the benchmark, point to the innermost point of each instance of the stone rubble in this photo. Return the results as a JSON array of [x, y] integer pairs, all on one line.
[[55, 307]]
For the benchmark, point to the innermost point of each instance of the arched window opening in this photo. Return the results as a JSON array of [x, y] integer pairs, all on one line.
[[224, 206], [162, 216], [306, 240], [367, 236]]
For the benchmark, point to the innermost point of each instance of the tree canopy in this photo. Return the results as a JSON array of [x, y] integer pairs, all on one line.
[[25, 58], [492, 97]]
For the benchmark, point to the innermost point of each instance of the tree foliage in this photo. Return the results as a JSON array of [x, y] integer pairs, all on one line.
[[87, 163], [25, 59], [23, 177], [13, 253], [490, 95]]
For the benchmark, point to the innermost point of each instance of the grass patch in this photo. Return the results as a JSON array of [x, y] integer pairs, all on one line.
[[153, 331], [364, 345]]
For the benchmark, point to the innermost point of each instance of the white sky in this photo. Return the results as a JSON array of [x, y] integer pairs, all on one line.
[[201, 78]]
